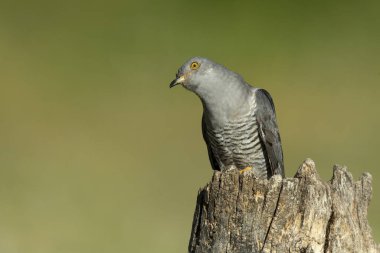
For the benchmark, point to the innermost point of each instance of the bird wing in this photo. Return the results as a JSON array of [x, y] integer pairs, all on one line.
[[214, 163], [269, 133]]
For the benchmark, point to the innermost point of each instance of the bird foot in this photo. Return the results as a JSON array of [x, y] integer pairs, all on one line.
[[245, 170]]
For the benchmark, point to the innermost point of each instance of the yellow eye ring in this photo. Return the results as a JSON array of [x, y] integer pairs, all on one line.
[[194, 65]]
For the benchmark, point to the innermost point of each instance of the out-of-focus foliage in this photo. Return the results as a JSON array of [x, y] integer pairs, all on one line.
[[98, 155]]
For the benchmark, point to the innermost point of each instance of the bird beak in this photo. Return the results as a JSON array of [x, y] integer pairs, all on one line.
[[177, 81]]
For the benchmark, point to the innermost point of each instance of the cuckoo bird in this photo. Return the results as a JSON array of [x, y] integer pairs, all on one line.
[[239, 121]]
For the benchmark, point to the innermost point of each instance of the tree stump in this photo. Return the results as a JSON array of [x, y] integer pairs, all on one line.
[[240, 214]]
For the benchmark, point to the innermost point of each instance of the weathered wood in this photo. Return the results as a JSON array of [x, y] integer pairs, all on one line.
[[240, 214]]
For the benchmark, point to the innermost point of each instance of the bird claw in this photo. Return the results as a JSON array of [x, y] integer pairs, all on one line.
[[245, 170]]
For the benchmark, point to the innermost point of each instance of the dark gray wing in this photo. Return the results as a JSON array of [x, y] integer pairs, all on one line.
[[214, 163], [269, 133]]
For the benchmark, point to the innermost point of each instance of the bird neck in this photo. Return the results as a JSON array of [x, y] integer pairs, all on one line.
[[226, 103]]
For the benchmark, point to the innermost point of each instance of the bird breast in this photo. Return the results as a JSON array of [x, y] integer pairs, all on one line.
[[237, 143]]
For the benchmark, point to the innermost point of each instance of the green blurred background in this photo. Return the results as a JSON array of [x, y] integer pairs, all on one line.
[[98, 155]]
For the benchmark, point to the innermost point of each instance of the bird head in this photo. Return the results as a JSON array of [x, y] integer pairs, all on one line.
[[222, 91], [193, 73], [211, 82], [201, 75]]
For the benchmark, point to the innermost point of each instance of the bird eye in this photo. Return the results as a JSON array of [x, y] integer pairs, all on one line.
[[194, 65]]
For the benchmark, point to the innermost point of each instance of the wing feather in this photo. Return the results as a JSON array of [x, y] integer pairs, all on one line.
[[269, 133], [214, 163]]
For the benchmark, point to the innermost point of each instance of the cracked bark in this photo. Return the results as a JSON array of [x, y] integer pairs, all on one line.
[[240, 214]]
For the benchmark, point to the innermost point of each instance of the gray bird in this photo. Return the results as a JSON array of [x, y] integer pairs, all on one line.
[[239, 121]]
